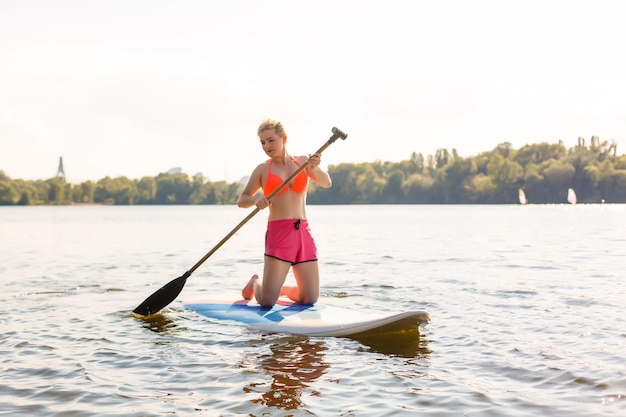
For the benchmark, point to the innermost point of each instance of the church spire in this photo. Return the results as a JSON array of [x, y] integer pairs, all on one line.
[[60, 171]]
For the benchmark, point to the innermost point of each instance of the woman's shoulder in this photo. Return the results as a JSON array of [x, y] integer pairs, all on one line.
[[300, 159]]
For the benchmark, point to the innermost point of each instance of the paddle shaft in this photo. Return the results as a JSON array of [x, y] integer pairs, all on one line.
[[336, 135]]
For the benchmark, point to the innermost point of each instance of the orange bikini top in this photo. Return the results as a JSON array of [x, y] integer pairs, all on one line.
[[298, 185]]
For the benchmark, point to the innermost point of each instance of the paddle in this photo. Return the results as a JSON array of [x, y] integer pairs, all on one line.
[[167, 293]]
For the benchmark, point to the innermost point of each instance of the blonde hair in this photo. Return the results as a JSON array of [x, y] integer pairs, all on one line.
[[271, 124]]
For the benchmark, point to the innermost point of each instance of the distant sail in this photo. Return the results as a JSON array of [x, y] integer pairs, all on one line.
[[571, 196], [522, 196]]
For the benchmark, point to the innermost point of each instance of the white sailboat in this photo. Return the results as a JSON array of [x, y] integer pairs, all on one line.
[[571, 196], [522, 196]]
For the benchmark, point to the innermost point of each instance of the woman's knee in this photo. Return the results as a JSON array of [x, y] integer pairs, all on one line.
[[308, 299], [267, 300]]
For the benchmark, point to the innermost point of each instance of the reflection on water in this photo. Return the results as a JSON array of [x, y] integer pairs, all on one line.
[[159, 323], [293, 364], [409, 344]]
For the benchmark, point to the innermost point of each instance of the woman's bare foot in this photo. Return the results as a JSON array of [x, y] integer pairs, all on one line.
[[290, 292], [248, 291]]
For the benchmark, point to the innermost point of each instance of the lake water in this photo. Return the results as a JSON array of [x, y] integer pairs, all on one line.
[[527, 309]]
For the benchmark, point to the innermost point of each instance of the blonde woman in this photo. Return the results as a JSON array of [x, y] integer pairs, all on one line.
[[288, 240]]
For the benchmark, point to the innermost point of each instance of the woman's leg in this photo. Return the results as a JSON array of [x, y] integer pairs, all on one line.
[[308, 278], [268, 290]]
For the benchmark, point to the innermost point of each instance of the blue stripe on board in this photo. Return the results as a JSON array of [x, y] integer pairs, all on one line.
[[248, 314]]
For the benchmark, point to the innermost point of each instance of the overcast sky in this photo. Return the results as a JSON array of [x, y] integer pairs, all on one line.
[[136, 87]]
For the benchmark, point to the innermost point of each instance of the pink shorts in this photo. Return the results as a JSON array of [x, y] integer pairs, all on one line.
[[290, 240]]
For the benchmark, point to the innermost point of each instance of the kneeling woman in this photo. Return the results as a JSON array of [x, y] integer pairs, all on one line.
[[288, 240]]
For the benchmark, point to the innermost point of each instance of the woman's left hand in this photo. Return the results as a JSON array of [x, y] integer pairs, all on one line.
[[314, 160]]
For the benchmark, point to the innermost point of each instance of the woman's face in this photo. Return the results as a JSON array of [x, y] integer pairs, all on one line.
[[272, 143]]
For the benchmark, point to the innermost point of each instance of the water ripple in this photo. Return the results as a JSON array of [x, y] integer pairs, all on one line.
[[526, 309]]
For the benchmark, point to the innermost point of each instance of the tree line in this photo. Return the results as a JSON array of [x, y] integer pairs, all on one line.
[[165, 188], [544, 171]]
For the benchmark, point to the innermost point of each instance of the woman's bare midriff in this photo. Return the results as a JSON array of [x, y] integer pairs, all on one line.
[[288, 205]]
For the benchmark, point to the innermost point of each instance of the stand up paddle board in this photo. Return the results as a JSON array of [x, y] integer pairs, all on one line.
[[316, 320]]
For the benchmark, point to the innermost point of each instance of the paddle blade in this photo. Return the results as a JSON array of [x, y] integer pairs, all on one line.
[[162, 297]]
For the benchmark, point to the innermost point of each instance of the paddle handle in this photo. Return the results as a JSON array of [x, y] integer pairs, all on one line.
[[337, 134]]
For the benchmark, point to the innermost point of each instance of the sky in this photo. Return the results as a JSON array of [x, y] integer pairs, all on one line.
[[136, 87]]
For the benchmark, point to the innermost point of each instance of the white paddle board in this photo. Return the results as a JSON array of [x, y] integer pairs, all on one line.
[[316, 320]]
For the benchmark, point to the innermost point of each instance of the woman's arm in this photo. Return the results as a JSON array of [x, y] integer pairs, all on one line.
[[248, 197], [316, 173]]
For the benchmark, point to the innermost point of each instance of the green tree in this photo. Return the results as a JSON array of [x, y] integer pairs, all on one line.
[[42, 188], [580, 157], [534, 185], [199, 190], [173, 189], [538, 153], [620, 162], [507, 176], [458, 174], [481, 189], [418, 189], [504, 149], [344, 190], [146, 190], [392, 192], [58, 191], [417, 162], [8, 195], [124, 191], [26, 191], [84, 192], [369, 185], [611, 182], [104, 191], [442, 157], [558, 177]]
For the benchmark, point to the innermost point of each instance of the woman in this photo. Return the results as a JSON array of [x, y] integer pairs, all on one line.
[[288, 240]]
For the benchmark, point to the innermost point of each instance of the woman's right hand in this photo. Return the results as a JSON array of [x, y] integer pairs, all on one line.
[[262, 202]]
